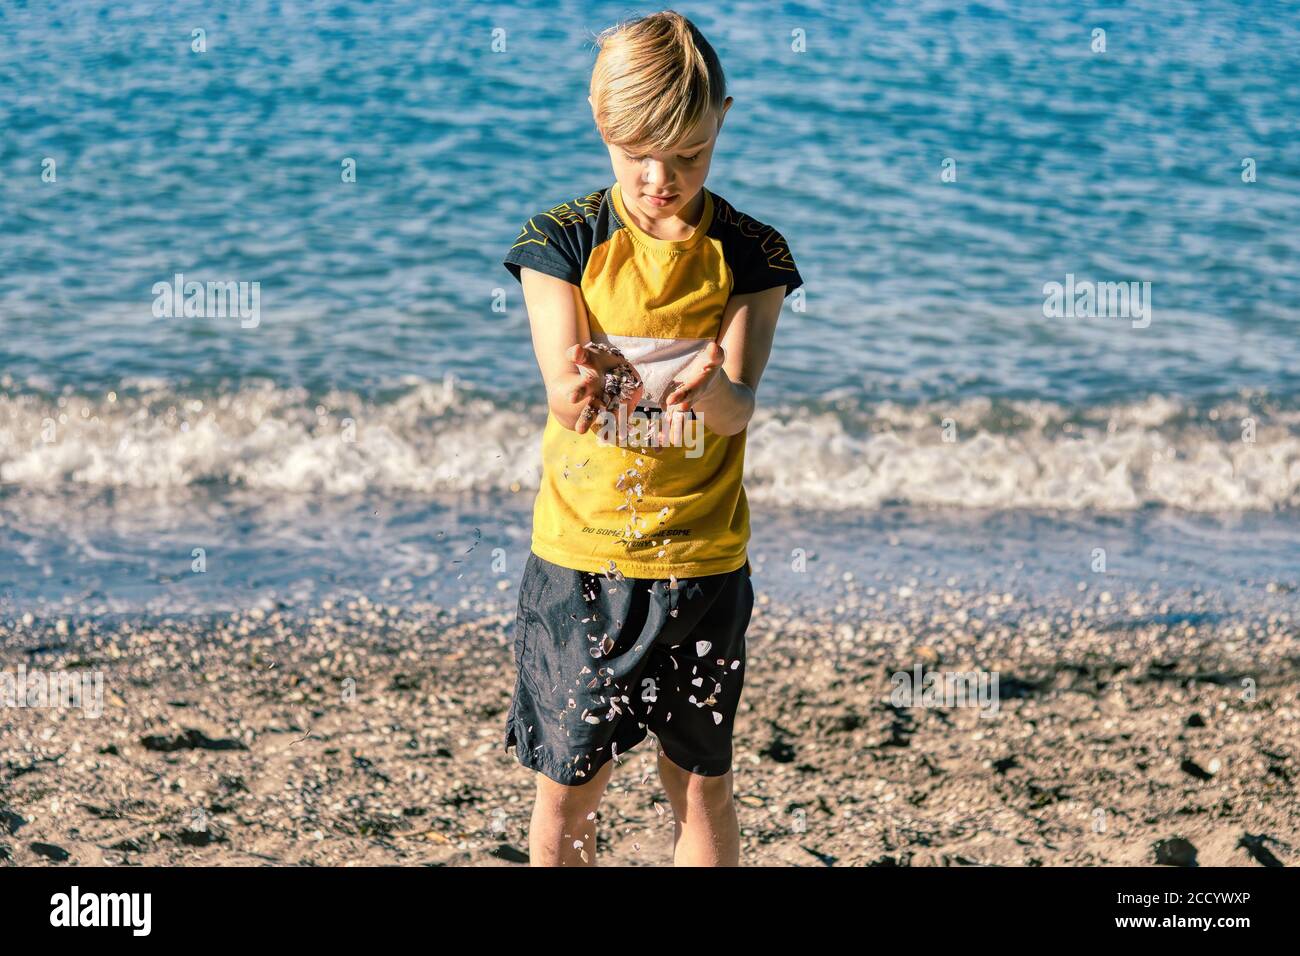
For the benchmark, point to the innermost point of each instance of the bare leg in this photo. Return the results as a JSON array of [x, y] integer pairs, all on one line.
[[705, 829], [560, 819]]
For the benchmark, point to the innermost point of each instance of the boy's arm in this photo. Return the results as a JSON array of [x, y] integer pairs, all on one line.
[[725, 398], [557, 317]]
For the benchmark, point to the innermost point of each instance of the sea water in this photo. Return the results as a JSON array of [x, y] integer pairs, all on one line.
[[939, 171]]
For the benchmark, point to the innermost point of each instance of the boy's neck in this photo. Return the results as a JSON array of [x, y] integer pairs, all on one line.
[[679, 227]]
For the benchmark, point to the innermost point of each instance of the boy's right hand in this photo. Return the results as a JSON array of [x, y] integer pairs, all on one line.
[[604, 381]]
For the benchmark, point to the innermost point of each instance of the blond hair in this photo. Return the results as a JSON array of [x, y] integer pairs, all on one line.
[[654, 79]]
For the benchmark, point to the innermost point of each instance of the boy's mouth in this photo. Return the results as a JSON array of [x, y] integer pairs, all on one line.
[[660, 201]]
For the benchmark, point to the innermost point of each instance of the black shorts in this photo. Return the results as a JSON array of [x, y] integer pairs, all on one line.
[[602, 662]]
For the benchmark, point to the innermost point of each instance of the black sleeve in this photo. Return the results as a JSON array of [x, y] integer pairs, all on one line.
[[549, 245], [764, 261]]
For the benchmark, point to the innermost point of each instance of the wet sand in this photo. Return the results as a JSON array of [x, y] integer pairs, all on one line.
[[235, 740]]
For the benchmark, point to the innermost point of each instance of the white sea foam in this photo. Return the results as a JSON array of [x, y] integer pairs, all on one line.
[[1116, 459], [434, 438]]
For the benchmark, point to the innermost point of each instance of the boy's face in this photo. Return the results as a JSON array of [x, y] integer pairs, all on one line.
[[677, 174]]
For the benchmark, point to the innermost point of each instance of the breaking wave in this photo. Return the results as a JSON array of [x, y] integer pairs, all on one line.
[[1237, 455]]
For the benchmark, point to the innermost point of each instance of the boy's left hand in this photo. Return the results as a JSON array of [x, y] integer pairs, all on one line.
[[692, 384], [696, 380]]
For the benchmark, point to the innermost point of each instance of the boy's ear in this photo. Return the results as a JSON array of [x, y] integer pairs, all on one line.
[[726, 105]]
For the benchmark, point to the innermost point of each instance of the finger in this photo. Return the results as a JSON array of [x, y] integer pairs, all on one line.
[[586, 416], [662, 424], [590, 416], [583, 357], [684, 397], [674, 395], [580, 391], [710, 365], [675, 432]]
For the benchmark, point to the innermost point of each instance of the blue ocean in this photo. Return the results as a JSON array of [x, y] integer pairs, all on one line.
[[927, 415]]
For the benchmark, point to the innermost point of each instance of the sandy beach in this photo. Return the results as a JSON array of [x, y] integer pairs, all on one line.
[[367, 734]]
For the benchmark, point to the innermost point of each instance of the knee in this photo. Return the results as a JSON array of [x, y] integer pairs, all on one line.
[[571, 803], [697, 792], [712, 791]]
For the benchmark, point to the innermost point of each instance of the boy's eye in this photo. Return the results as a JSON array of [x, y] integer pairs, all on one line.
[[689, 159]]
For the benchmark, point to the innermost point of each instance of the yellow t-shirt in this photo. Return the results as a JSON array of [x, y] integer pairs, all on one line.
[[615, 497]]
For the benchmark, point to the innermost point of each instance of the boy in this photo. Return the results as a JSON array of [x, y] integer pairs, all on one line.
[[652, 305]]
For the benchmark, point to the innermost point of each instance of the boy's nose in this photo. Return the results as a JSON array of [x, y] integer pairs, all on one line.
[[654, 173]]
